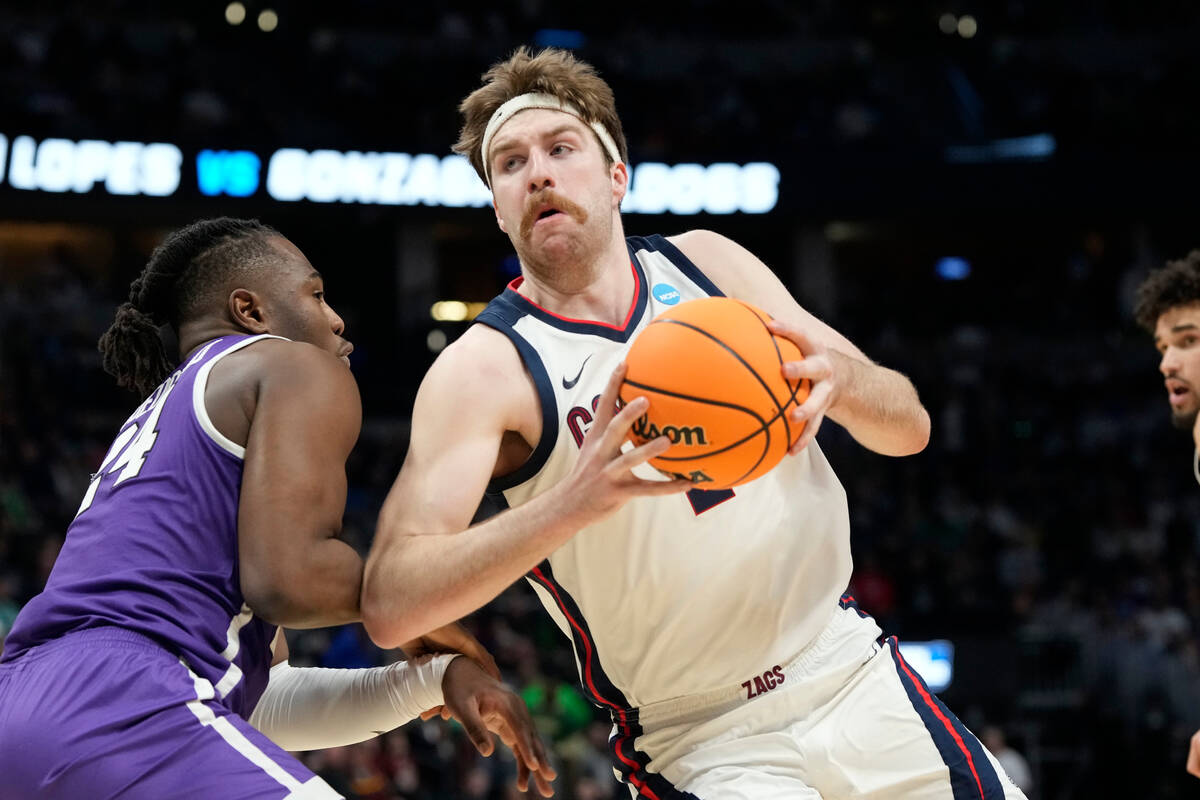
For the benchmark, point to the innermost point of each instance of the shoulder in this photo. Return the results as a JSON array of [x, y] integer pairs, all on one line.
[[482, 360], [284, 359], [698, 239], [482, 351], [275, 373], [479, 384], [724, 261], [293, 371], [706, 247]]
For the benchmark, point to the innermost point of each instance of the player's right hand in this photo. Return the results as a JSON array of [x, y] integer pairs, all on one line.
[[1193, 762], [603, 480], [485, 706]]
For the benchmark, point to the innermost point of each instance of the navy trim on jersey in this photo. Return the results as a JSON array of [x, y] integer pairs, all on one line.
[[526, 306], [630, 762], [704, 499], [502, 315], [972, 776], [847, 601], [682, 263]]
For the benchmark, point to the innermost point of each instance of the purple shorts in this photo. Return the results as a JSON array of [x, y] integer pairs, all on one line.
[[107, 713]]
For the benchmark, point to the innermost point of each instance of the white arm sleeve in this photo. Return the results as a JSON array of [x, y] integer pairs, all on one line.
[[311, 708]]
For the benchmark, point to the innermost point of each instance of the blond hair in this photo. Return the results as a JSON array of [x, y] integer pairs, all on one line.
[[550, 71]]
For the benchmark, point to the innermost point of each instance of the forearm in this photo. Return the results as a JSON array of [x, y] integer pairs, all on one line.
[[879, 407], [309, 708], [414, 583]]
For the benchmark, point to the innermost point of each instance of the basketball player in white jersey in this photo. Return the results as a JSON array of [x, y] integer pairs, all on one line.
[[1168, 307], [712, 626]]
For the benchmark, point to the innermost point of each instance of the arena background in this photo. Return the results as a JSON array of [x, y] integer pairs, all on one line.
[[969, 190]]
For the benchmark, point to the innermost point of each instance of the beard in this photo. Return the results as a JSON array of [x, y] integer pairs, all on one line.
[[566, 260], [1185, 420]]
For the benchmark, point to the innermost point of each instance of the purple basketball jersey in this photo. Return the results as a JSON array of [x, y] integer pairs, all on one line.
[[154, 546]]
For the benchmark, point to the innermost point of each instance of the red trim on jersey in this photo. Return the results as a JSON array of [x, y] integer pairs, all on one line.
[[637, 292], [587, 672], [641, 785], [941, 717], [587, 664]]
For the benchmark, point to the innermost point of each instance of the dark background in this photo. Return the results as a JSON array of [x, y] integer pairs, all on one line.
[[1049, 530]]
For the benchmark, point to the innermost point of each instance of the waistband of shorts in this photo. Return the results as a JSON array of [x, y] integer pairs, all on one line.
[[842, 622], [107, 635]]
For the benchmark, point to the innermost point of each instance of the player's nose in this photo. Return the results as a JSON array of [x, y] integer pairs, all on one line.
[[336, 323], [541, 173], [1169, 363]]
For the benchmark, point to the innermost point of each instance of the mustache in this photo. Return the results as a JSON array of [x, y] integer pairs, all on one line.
[[545, 197]]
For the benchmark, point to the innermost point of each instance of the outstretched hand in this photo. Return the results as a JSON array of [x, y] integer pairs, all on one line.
[[484, 706], [817, 366]]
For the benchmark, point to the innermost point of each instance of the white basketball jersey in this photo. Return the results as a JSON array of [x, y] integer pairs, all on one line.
[[673, 595]]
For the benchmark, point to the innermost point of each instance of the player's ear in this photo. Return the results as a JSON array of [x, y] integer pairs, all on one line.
[[620, 182], [245, 308], [499, 219]]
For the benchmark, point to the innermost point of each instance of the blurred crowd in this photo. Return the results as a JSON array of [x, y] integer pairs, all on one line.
[[1049, 531], [864, 78]]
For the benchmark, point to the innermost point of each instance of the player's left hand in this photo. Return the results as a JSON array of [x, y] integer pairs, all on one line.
[[818, 367], [452, 638], [1193, 761], [483, 705]]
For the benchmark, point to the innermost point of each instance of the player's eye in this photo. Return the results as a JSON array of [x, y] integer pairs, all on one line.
[[320, 295]]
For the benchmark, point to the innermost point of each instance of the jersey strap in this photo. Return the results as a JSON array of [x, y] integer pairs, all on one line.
[[502, 314], [660, 244]]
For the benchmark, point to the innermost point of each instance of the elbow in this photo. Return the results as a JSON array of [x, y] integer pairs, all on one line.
[[292, 603], [380, 626], [385, 621], [919, 439], [388, 630], [271, 603]]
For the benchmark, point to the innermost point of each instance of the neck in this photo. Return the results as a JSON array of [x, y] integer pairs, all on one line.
[[599, 288], [194, 333]]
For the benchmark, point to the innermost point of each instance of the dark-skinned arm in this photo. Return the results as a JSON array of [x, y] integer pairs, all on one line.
[[295, 571]]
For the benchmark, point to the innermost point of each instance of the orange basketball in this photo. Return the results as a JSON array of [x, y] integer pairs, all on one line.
[[711, 371]]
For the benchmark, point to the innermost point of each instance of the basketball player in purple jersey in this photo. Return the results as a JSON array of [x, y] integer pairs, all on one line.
[[211, 524], [1168, 307], [712, 626]]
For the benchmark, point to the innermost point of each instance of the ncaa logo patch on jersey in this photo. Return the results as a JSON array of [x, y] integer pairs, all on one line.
[[665, 293]]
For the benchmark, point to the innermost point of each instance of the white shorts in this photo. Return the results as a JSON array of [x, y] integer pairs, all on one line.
[[847, 718]]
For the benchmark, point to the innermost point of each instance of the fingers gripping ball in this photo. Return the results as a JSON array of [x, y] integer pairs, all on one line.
[[711, 370]]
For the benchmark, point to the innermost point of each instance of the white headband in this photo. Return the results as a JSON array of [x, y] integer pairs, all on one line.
[[539, 100]]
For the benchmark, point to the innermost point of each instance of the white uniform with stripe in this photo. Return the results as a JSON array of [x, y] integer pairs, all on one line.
[[685, 604]]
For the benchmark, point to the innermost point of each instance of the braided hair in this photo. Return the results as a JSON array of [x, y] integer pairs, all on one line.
[[183, 272]]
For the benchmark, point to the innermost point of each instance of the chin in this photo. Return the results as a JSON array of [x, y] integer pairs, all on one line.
[[1184, 420]]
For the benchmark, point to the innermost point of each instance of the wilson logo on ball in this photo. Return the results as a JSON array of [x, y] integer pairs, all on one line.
[[714, 364], [687, 434]]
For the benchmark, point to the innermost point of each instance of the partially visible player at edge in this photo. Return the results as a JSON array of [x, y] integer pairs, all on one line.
[[144, 668], [1168, 307], [712, 626]]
